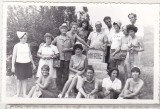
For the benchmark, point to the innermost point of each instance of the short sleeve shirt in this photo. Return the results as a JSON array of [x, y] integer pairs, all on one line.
[[116, 84], [109, 32], [63, 42], [116, 40], [89, 86], [97, 39], [48, 50]]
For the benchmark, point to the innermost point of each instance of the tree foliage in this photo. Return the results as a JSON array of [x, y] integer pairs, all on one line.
[[36, 20]]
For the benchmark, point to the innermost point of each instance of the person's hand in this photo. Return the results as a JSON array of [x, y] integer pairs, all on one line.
[[13, 69], [37, 87], [65, 50], [48, 58], [125, 96], [91, 47], [103, 47], [79, 73], [136, 49], [88, 96], [106, 92], [121, 95], [34, 67], [110, 89], [43, 57], [53, 56], [113, 54]]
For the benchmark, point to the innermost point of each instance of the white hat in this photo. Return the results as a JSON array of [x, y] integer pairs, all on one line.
[[98, 23], [118, 23], [20, 34], [63, 25]]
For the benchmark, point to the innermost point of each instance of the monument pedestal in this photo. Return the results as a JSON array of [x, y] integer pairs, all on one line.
[[96, 59]]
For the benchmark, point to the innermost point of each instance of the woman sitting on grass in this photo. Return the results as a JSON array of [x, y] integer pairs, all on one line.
[[111, 86], [78, 64], [133, 85], [45, 86]]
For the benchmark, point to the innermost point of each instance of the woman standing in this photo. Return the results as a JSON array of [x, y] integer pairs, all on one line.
[[115, 40], [83, 31], [47, 52], [21, 63], [135, 45]]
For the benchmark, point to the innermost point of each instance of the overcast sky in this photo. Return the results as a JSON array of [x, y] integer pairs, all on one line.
[[146, 14]]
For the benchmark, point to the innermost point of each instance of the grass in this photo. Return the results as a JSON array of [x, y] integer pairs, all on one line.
[[146, 69]]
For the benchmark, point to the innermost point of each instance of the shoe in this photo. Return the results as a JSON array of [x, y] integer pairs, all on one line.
[[66, 96], [60, 95]]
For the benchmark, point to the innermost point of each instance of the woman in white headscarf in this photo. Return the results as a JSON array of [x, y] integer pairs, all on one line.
[[22, 63]]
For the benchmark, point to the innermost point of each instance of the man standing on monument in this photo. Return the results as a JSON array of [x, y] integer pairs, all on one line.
[[98, 39], [109, 30]]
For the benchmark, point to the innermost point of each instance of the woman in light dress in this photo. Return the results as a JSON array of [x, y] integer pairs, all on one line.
[[78, 64], [47, 53]]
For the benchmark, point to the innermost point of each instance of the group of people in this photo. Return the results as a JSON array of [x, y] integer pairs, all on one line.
[[72, 76]]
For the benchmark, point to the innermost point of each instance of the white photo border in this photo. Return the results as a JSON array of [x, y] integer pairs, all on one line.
[[8, 100]]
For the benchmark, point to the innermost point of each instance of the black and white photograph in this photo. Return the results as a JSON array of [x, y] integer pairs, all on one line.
[[80, 53]]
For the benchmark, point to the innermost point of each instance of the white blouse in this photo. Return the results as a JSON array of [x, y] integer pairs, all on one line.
[[22, 53]]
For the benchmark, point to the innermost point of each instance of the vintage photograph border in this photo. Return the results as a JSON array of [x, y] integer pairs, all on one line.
[[79, 101]]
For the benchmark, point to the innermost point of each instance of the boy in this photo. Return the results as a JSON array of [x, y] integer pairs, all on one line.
[[88, 86]]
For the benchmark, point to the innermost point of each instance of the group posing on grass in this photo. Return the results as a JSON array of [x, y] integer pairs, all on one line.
[[74, 78]]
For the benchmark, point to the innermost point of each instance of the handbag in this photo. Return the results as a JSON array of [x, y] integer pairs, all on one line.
[[56, 63]]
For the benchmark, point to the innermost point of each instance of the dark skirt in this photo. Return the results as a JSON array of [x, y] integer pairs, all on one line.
[[23, 70]]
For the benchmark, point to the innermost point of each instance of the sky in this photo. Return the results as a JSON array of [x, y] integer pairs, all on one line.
[[146, 14]]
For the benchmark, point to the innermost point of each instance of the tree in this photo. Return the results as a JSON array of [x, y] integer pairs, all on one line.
[[36, 20]]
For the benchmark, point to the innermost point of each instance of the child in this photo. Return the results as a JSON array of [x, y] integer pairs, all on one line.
[[88, 86], [133, 85], [45, 85]]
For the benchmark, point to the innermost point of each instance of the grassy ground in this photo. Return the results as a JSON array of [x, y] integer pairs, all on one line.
[[146, 73]]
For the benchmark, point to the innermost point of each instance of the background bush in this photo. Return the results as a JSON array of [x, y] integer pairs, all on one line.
[[36, 20]]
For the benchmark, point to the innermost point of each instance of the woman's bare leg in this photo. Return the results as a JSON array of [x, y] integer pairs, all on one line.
[[24, 87], [31, 92], [19, 87], [72, 85], [65, 88]]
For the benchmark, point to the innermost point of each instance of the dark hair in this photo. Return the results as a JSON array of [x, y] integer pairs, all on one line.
[[132, 14], [45, 67], [90, 67], [132, 27], [136, 69], [106, 18], [111, 70], [48, 35], [73, 23], [77, 46], [85, 21]]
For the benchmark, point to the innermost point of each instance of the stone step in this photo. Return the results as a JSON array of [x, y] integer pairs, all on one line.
[[98, 66], [100, 75]]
